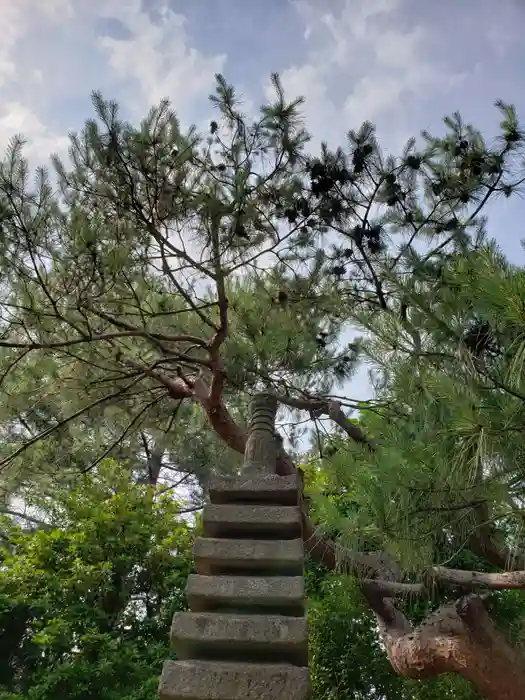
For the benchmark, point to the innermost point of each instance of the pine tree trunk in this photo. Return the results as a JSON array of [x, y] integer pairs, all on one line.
[[459, 638]]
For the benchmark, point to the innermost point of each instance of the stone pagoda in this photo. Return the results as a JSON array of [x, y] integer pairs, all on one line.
[[246, 635]]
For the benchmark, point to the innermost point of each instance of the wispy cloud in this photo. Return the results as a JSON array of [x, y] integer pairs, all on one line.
[[17, 80], [362, 62], [400, 63], [156, 58], [54, 54]]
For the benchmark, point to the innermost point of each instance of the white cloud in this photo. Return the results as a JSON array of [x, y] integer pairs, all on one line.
[[16, 19], [503, 29], [361, 63], [16, 118], [353, 23], [157, 56], [152, 61]]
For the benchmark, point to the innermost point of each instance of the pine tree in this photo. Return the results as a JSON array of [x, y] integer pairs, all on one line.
[[141, 280], [173, 270]]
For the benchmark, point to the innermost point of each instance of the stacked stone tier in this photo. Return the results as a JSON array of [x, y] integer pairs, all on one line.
[[245, 636]]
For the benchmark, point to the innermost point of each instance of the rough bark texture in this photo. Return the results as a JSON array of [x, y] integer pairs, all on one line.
[[459, 638]]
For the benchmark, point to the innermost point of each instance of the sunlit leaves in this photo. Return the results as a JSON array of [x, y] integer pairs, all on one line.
[[94, 592]]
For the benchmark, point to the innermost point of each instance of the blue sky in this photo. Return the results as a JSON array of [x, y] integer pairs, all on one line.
[[401, 63]]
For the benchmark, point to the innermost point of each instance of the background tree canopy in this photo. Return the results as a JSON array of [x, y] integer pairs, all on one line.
[[170, 275]]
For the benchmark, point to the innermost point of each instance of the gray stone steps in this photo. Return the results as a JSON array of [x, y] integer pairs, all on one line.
[[270, 489], [246, 635], [281, 595], [212, 680], [259, 521], [240, 637], [231, 556]]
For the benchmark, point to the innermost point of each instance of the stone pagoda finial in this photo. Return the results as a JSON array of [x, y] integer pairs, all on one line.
[[261, 446]]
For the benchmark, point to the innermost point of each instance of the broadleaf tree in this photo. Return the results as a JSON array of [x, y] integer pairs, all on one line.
[[86, 603]]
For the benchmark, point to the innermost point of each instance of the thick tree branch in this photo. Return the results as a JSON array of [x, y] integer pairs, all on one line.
[[333, 410], [478, 579], [96, 338], [367, 566], [459, 638], [454, 578]]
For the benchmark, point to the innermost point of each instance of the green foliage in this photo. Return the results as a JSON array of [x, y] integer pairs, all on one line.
[[449, 434], [346, 658], [86, 603], [117, 286], [175, 274]]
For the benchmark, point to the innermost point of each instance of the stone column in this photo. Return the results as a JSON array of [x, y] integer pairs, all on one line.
[[261, 446], [246, 635]]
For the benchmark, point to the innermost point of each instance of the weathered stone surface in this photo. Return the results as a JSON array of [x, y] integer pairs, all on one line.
[[282, 522], [232, 637], [276, 594], [212, 680], [248, 600], [260, 452], [248, 488], [222, 556]]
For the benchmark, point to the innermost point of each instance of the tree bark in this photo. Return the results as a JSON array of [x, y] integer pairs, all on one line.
[[459, 638]]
